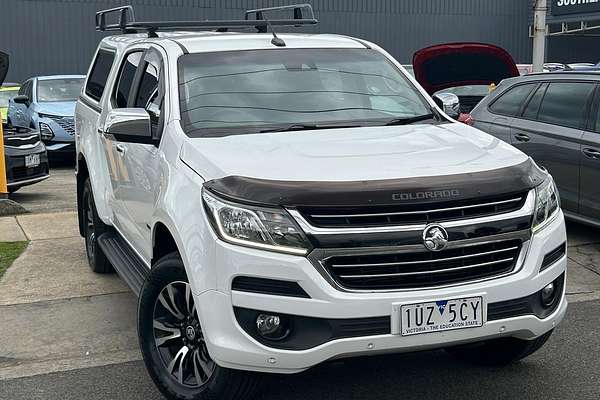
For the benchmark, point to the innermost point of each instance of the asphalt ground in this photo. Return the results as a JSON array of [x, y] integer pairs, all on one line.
[[567, 367], [55, 194]]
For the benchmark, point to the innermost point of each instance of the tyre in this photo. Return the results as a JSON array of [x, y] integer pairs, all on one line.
[[498, 352], [172, 343], [92, 229]]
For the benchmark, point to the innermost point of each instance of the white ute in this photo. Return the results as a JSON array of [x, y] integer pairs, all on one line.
[[277, 201]]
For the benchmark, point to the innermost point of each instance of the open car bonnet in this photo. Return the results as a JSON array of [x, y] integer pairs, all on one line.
[[458, 64], [3, 66]]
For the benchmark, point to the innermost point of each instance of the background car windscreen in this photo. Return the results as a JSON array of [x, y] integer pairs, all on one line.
[[59, 89], [242, 91], [6, 95]]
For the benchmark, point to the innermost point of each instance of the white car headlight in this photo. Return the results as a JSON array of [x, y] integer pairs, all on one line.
[[547, 204], [264, 228]]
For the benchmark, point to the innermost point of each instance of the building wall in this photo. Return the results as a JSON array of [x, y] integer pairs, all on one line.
[[59, 37]]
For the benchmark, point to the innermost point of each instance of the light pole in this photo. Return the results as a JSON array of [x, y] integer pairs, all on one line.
[[539, 34]]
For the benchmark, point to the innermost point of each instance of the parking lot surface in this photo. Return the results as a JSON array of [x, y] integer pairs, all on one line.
[[57, 193]]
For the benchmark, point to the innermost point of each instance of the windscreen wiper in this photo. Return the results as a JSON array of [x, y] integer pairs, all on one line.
[[306, 127], [410, 120]]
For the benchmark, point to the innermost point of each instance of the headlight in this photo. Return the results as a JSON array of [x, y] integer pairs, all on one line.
[[547, 203], [263, 228], [46, 132]]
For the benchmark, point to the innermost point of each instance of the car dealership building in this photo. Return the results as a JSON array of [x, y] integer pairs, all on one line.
[[58, 36]]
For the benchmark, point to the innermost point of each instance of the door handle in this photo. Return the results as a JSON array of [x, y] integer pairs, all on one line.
[[592, 153], [521, 137], [120, 148]]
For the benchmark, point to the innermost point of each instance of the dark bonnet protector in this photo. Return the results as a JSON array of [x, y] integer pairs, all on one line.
[[389, 192]]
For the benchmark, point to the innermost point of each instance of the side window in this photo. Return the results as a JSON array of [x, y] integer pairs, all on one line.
[[23, 88], [99, 74], [126, 77], [595, 123], [148, 89], [29, 90], [532, 107], [565, 103], [510, 102]]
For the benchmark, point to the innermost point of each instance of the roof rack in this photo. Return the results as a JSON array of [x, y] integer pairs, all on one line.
[[127, 23]]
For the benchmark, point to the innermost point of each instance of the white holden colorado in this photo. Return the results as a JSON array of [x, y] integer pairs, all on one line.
[[277, 201]]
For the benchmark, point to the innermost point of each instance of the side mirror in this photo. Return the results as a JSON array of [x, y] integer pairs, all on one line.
[[129, 125], [449, 103], [21, 99]]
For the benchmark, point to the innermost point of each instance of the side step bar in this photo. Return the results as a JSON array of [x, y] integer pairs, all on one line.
[[126, 262]]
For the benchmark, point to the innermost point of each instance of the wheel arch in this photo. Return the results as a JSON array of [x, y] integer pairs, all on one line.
[[163, 242], [81, 175]]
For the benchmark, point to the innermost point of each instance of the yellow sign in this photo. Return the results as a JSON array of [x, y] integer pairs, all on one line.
[[3, 187]]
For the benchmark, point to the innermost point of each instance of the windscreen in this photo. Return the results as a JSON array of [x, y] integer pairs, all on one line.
[[67, 89], [248, 91]]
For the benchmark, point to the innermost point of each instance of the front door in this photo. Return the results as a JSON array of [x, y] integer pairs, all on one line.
[[139, 192]]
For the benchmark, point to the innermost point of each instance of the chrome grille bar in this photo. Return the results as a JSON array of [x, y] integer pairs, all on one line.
[[400, 263], [430, 272]]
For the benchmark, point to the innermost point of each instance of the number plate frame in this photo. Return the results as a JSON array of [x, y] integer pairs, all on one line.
[[397, 308], [32, 160]]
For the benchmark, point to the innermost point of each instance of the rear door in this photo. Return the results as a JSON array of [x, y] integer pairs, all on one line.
[[90, 135], [589, 197], [505, 108], [550, 130]]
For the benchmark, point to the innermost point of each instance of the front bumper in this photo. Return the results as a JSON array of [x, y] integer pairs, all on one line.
[[230, 346], [18, 174], [56, 147]]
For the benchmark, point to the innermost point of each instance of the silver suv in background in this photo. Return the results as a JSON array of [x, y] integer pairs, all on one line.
[[554, 118]]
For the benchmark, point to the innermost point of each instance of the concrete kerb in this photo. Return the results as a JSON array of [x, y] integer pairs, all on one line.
[[9, 207]]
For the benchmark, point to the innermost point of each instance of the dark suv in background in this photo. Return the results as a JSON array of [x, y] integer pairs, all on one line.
[[554, 118]]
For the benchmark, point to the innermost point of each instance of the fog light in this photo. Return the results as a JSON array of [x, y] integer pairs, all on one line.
[[548, 294], [271, 326]]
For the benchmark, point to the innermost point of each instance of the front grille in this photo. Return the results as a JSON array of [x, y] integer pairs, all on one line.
[[67, 123], [21, 141], [19, 173], [423, 268], [371, 216]]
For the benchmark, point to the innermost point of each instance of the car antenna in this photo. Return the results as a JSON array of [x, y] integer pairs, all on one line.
[[276, 41]]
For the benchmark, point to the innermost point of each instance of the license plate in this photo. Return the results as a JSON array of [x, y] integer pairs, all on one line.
[[32, 160], [443, 315]]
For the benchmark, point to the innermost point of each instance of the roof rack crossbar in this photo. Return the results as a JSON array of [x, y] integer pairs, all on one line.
[[297, 8], [128, 24], [259, 13]]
